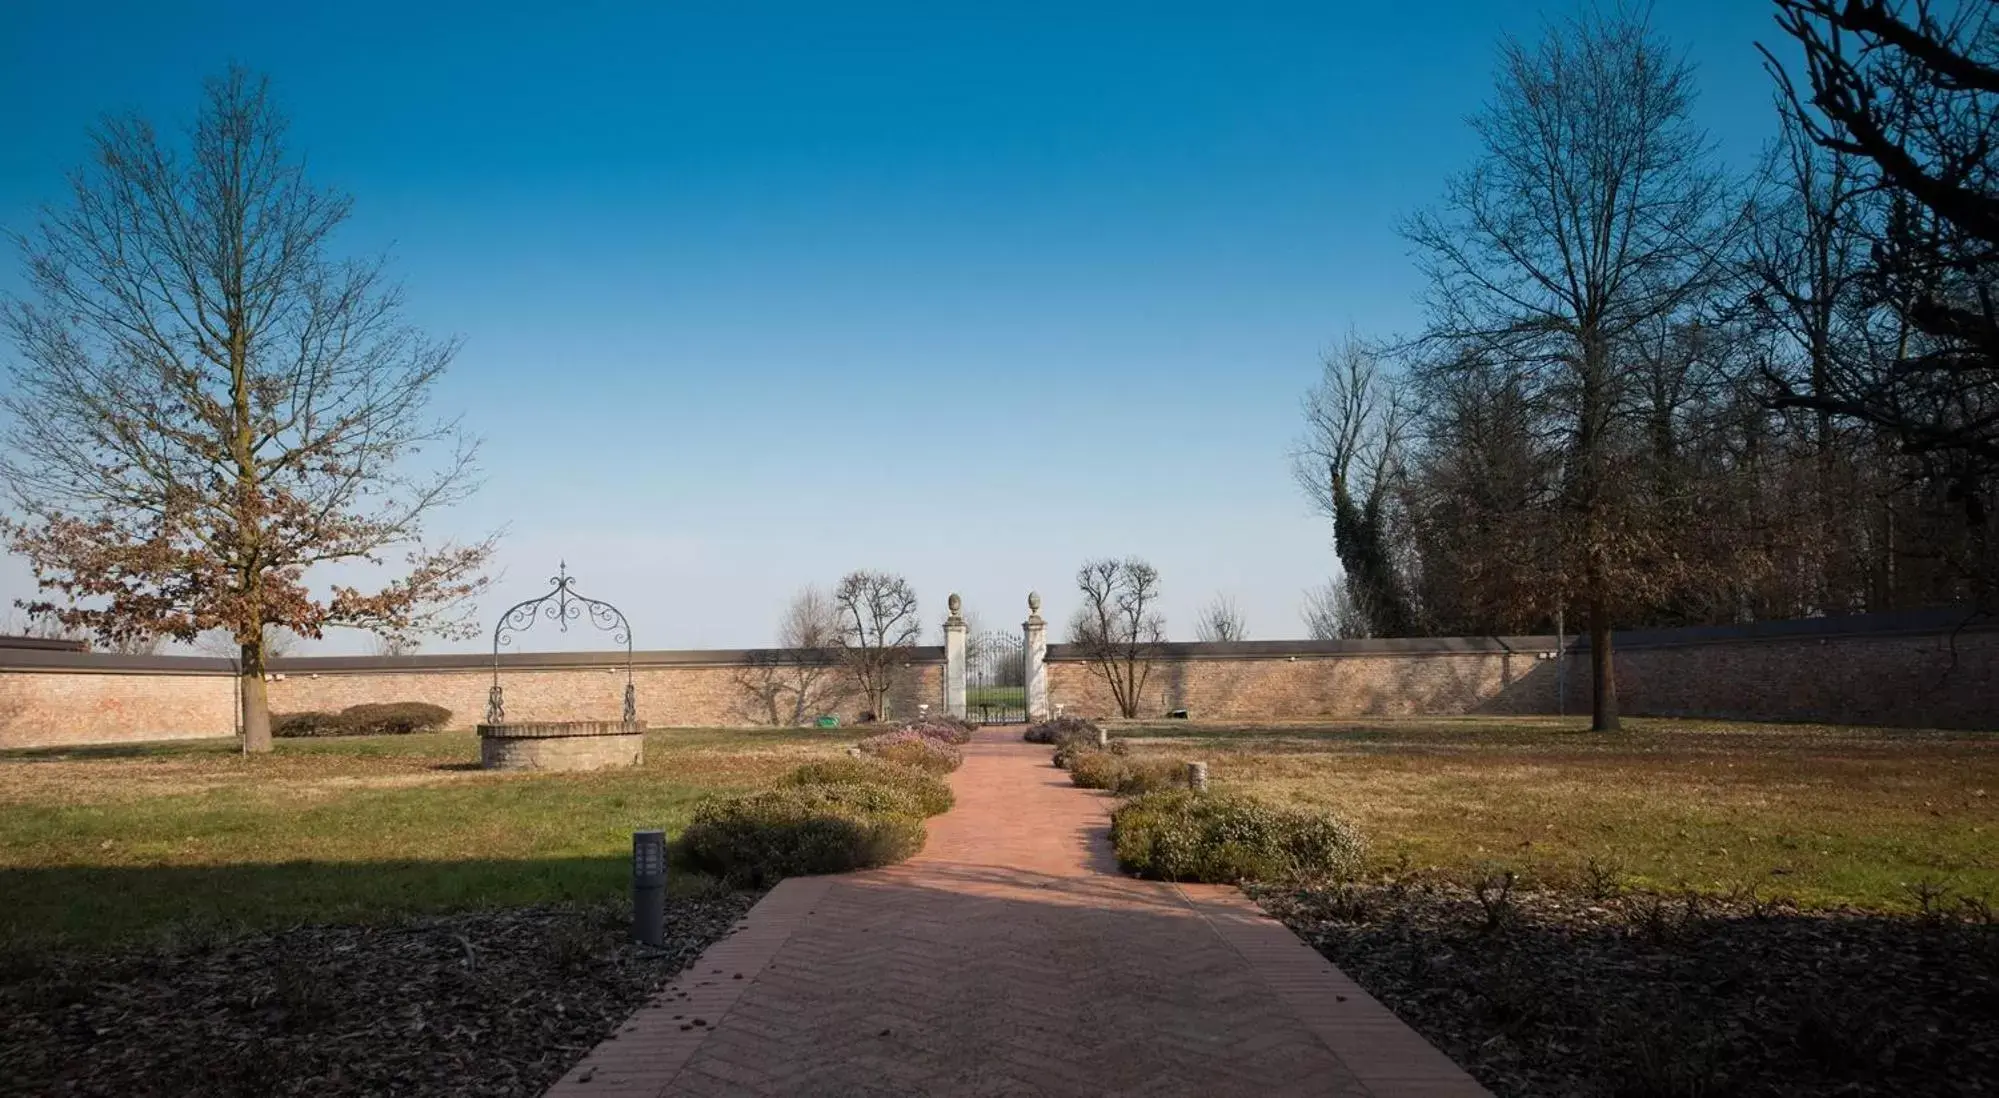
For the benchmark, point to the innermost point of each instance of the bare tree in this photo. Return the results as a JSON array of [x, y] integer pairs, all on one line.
[[1348, 463], [133, 645], [1118, 628], [1220, 621], [1330, 614], [1593, 212], [17, 624], [1478, 494], [206, 406], [278, 642], [800, 679], [878, 626], [1909, 99], [393, 645]]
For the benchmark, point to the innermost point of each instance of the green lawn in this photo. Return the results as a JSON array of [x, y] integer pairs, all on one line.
[[1015, 696], [1825, 816], [103, 844]]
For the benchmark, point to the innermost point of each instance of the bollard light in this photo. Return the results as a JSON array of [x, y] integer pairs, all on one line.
[[649, 887], [1197, 777], [1103, 738]]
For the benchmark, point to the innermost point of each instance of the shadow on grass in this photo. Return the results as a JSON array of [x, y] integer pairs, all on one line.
[[220, 745], [111, 905]]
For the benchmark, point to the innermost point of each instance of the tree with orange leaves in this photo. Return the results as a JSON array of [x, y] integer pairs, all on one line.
[[205, 406]]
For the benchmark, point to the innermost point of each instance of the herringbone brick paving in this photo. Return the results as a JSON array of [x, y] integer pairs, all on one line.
[[1011, 958]]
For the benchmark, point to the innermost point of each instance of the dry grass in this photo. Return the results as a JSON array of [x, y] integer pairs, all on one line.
[[1824, 816], [194, 838]]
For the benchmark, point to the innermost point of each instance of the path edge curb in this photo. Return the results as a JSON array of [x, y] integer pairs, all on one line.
[[642, 1056]]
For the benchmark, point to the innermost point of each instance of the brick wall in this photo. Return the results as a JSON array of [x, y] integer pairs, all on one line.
[[1927, 669], [1918, 679], [50, 708], [1311, 684], [1921, 669], [50, 698], [692, 695]]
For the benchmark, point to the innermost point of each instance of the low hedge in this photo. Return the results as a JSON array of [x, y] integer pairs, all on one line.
[[913, 749], [1126, 775], [1222, 838], [309, 723], [1053, 731], [759, 838], [367, 719], [395, 718], [931, 794]]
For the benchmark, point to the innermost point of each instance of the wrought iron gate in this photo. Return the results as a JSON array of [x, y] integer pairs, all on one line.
[[996, 678]]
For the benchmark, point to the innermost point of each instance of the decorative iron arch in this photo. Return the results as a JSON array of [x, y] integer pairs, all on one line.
[[561, 606]]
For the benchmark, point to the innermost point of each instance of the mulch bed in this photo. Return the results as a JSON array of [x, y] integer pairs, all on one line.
[[1541, 993], [486, 1003]]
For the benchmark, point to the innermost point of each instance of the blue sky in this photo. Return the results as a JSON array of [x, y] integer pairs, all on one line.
[[754, 294]]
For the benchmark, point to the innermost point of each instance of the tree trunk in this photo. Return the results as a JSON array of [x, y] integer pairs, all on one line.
[[1603, 676], [256, 702]]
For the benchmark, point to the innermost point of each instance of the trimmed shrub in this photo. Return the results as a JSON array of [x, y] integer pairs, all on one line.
[[868, 797], [1222, 838], [310, 723], [913, 749], [367, 719], [930, 793], [394, 718], [757, 839], [1126, 775], [1053, 731], [942, 729]]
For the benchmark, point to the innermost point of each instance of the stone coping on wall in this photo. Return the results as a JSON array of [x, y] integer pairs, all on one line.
[[115, 663], [1941, 620], [1931, 622], [1278, 650]]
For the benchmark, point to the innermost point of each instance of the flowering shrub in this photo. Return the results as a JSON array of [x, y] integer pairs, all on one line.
[[1222, 838], [943, 729], [1067, 751], [1126, 775], [759, 838], [913, 749], [929, 792], [1054, 731]]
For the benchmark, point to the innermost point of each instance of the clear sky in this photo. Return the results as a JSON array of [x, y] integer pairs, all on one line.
[[755, 294]]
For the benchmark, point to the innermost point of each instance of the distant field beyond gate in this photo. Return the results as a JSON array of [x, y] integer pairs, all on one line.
[[996, 678]]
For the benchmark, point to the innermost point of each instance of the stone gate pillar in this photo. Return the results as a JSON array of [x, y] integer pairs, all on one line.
[[1035, 634], [954, 660]]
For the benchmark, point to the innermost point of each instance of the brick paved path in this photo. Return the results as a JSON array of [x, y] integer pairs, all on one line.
[[1010, 958]]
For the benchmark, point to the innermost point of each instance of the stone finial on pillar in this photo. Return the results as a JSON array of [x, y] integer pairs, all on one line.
[[1035, 635], [954, 659]]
